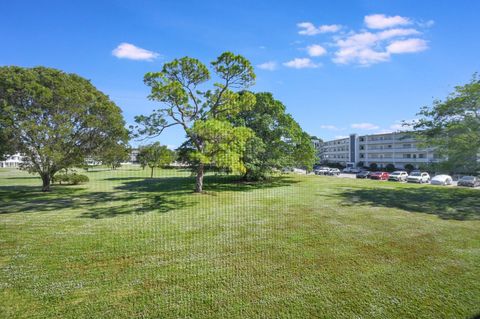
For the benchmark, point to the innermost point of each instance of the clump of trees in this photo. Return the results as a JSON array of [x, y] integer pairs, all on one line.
[[452, 126], [155, 155], [220, 122], [56, 119]]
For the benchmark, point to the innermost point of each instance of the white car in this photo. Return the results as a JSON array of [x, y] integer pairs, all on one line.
[[322, 171], [418, 177], [334, 172], [398, 176], [442, 180]]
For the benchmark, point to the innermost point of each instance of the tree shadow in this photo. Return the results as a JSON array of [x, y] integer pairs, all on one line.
[[15, 199], [184, 185], [134, 195], [446, 203]]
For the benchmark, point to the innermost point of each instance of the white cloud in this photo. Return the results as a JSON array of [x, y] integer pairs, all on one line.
[[329, 127], [301, 63], [391, 33], [132, 52], [366, 48], [270, 66], [407, 46], [308, 28], [316, 50], [381, 21], [365, 126]]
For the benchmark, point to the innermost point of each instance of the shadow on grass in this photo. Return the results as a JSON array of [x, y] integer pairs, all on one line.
[[446, 203], [132, 197]]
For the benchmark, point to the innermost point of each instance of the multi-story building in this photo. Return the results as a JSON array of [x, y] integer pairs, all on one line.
[[398, 148], [12, 161]]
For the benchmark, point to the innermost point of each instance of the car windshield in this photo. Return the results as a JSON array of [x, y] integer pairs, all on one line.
[[468, 178], [396, 173], [416, 174]]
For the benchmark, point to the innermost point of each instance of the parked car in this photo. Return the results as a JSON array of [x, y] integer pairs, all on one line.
[[364, 174], [418, 177], [442, 180], [333, 172], [351, 170], [383, 176], [322, 171], [398, 176], [469, 181]]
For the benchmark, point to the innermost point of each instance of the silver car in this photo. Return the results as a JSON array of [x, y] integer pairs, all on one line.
[[442, 179], [398, 176]]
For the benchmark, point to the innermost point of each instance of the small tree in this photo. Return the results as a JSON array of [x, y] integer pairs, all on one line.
[[202, 114], [56, 119], [114, 155], [373, 166], [156, 155], [409, 167]]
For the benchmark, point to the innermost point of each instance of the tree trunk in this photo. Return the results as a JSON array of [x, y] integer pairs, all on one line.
[[151, 174], [199, 179], [46, 182]]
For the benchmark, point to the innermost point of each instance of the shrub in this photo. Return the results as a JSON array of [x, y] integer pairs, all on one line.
[[373, 166], [73, 179], [76, 179], [409, 167], [390, 167]]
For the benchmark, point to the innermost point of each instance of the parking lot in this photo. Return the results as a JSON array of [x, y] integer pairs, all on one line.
[[345, 175]]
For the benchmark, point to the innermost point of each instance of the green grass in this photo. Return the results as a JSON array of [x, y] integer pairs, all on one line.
[[126, 246]]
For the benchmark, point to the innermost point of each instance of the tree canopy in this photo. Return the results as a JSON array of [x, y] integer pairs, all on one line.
[[56, 119], [279, 141], [452, 126], [202, 112], [155, 155]]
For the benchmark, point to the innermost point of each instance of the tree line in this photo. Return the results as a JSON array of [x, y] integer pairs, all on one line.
[[58, 120]]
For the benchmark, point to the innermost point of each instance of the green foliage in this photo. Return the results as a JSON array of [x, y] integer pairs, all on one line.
[[279, 141], [73, 179], [373, 166], [56, 119], [200, 112], [390, 167], [115, 154], [223, 144], [409, 167], [452, 126], [155, 155]]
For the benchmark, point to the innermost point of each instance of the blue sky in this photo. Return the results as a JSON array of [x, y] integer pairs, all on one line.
[[339, 67]]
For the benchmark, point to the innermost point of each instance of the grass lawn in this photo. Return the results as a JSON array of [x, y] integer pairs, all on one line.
[[126, 246]]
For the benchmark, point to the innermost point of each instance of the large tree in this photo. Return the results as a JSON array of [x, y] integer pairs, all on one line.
[[202, 112], [56, 119], [452, 126], [155, 155], [279, 140]]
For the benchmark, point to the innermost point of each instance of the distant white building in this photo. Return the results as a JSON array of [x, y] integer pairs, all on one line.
[[398, 148], [12, 161]]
